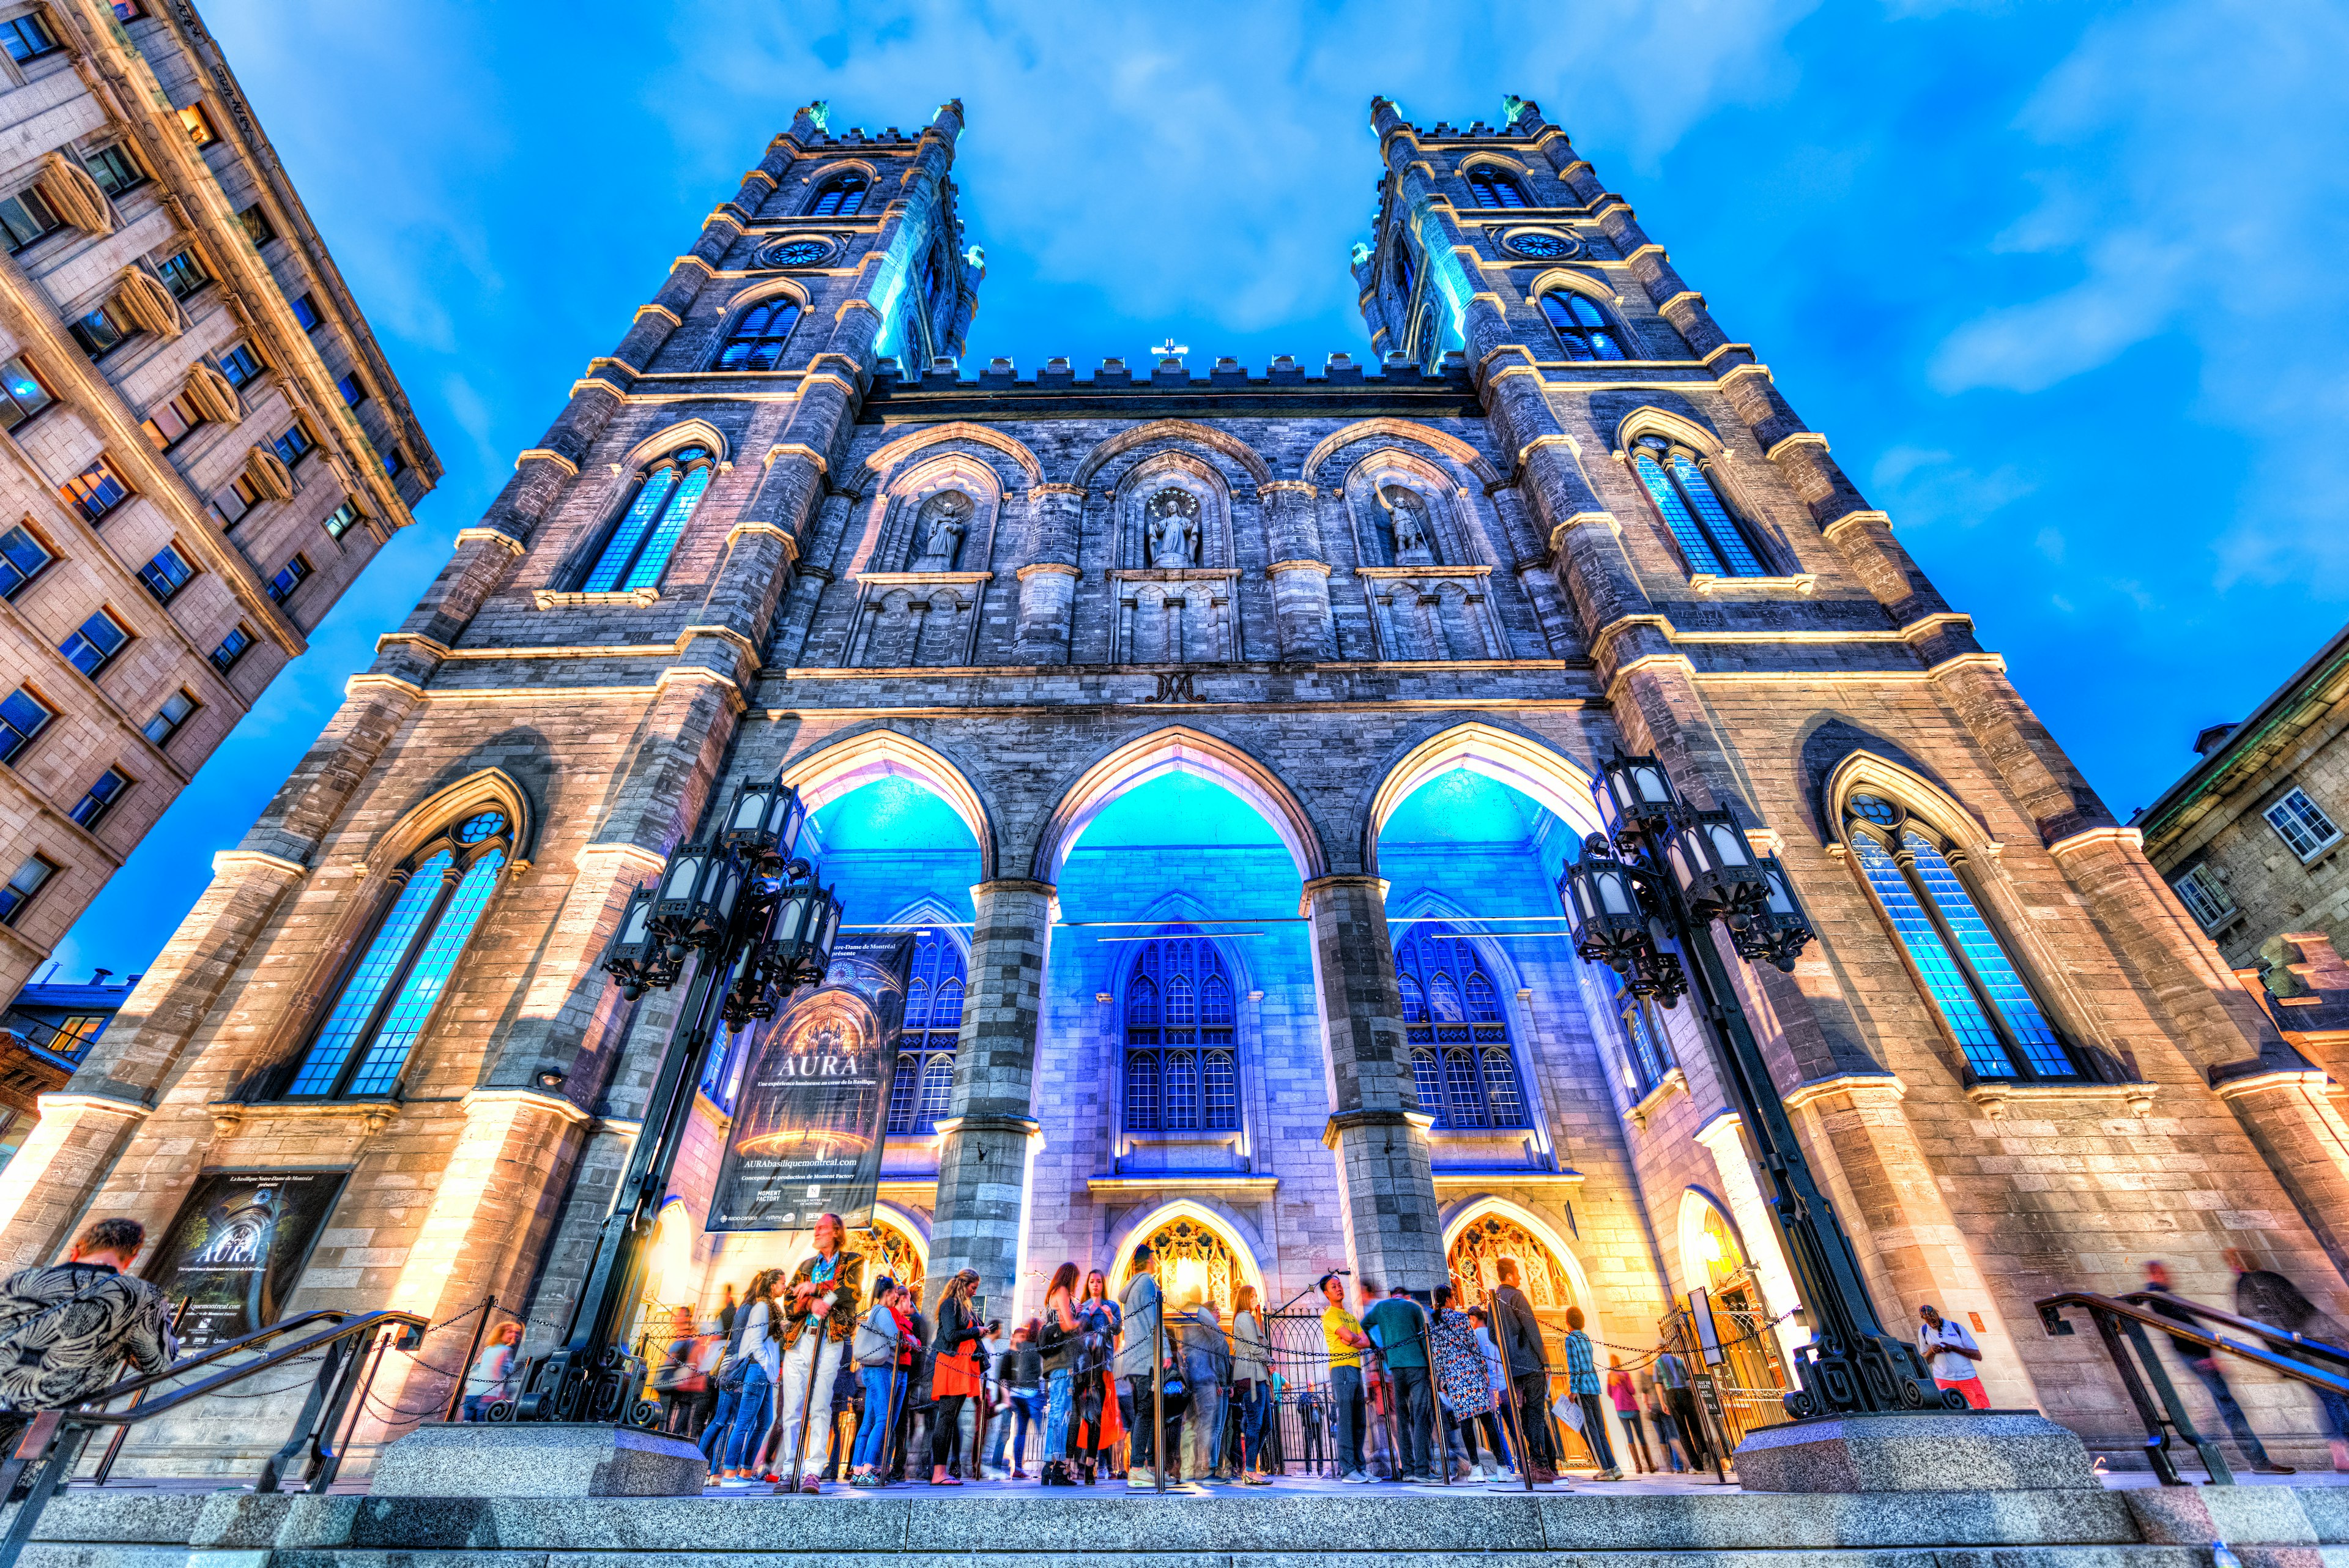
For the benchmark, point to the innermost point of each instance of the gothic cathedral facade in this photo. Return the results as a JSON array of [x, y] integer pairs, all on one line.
[[1221, 733]]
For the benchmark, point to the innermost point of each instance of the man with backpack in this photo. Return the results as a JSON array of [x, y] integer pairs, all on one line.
[[66, 1328]]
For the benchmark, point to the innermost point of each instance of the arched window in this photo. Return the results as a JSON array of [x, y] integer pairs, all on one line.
[[384, 1002], [922, 1088], [1646, 1055], [1452, 1014], [843, 197], [1707, 532], [639, 548], [1491, 187], [1582, 329], [758, 338], [1402, 276], [1180, 1071], [1912, 869]]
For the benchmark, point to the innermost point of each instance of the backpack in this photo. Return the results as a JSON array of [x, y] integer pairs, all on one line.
[[730, 1370]]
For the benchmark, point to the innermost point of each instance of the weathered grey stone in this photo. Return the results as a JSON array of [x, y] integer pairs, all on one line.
[[476, 1459], [2004, 1451], [2238, 1515]]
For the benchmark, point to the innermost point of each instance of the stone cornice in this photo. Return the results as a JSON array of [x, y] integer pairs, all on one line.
[[525, 1099], [2093, 838], [1993, 1096], [497, 536], [1812, 1091], [231, 862], [2309, 1079], [546, 455]]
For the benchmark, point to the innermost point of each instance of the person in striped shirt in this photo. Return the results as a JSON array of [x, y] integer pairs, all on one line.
[[1582, 1383]]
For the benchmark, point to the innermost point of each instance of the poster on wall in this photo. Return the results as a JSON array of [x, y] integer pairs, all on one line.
[[239, 1245], [811, 1113]]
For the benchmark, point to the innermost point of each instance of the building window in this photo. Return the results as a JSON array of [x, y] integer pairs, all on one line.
[[27, 37], [340, 521], [1402, 276], [2205, 897], [386, 1001], [229, 507], [639, 548], [1709, 535], [2302, 825], [348, 385], [114, 170], [394, 465], [105, 329], [128, 10], [305, 311], [1647, 1055], [843, 197], [181, 273], [96, 490], [1460, 1058], [1489, 187], [22, 558], [289, 577], [1582, 329], [921, 1090], [22, 393], [294, 444], [1180, 1074], [165, 575], [1998, 1024], [256, 225], [23, 716], [92, 645], [198, 125], [758, 338], [101, 797], [241, 365], [171, 422], [171, 718], [29, 879], [27, 216], [232, 647]]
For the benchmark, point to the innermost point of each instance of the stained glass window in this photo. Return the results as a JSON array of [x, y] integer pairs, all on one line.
[[1181, 1072], [639, 548], [1712, 539], [1582, 329], [843, 197], [1999, 1024], [1489, 187], [757, 341], [1461, 1063], [386, 1000], [921, 1090]]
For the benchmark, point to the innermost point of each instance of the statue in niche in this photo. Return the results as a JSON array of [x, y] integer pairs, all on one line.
[[1170, 528], [938, 529], [1414, 542]]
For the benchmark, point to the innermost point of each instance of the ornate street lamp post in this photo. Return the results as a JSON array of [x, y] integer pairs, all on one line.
[[1656, 881], [747, 914]]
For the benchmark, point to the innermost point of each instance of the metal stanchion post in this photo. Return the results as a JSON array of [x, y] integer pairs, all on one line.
[[465, 1367], [1512, 1418], [1158, 1394], [807, 1401], [1442, 1438]]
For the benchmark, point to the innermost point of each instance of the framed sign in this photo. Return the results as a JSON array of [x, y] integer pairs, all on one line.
[[239, 1245]]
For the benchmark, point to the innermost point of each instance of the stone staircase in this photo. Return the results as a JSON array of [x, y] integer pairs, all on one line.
[[2268, 1526]]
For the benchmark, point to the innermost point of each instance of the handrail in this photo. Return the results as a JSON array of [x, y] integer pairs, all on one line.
[[55, 1438], [2119, 1317]]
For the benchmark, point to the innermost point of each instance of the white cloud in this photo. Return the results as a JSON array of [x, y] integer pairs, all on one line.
[[1919, 487]]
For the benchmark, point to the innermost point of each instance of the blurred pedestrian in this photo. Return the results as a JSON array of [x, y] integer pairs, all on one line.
[[1251, 1382], [1582, 1384], [492, 1377], [1518, 1332], [2203, 1362], [2265, 1296], [1399, 1328], [1626, 1400], [1207, 1373]]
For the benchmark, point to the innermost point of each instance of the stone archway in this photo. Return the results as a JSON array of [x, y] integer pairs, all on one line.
[[1194, 1251], [894, 1250], [1474, 1257]]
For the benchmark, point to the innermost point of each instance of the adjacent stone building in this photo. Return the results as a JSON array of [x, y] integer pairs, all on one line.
[[203, 444], [1220, 732]]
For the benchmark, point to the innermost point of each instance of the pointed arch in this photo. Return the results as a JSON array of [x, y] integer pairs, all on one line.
[[1550, 778], [1867, 771], [1451, 446], [764, 290], [685, 432], [1697, 1205], [1231, 446], [486, 788], [905, 447], [849, 762], [1473, 1209], [1180, 749], [1241, 1238], [1650, 420]]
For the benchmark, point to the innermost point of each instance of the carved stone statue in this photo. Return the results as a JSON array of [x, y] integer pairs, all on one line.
[[938, 529], [1414, 542], [1170, 528]]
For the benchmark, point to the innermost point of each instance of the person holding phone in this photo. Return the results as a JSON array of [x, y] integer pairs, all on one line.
[[1950, 1354]]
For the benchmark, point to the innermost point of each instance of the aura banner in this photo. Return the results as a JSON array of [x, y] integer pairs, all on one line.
[[239, 1245], [810, 1115]]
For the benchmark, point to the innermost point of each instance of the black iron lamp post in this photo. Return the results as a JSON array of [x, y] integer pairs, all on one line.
[[751, 920], [1644, 897]]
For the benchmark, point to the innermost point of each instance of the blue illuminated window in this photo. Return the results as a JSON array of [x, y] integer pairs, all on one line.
[[22, 717], [165, 575], [171, 718], [639, 548], [1582, 329], [1647, 1055], [305, 311], [1180, 1068], [1460, 1058], [90, 647], [921, 1089], [1998, 1024], [1712, 539], [758, 338], [19, 891], [386, 1000], [101, 797], [348, 384], [181, 273], [241, 365], [843, 197], [22, 558], [114, 170], [232, 647], [289, 577], [294, 445], [1490, 187], [27, 37], [22, 395]]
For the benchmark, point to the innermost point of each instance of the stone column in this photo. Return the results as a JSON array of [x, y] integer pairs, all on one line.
[[984, 1147], [1299, 571], [1048, 582], [1376, 1127]]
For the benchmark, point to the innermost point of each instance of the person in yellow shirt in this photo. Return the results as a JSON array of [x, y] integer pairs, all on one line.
[[1343, 1332]]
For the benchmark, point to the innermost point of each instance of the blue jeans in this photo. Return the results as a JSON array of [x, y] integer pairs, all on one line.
[[1249, 1398], [2337, 1412], [1346, 1416], [751, 1413], [880, 1416], [1060, 1396], [2229, 1411], [1027, 1410], [713, 1436]]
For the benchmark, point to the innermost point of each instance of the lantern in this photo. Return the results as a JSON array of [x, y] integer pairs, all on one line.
[[765, 820], [1713, 864], [698, 894], [1775, 930], [798, 949], [1635, 797], [1607, 909], [635, 957]]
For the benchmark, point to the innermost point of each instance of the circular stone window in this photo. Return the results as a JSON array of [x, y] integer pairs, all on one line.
[[795, 253], [1543, 246]]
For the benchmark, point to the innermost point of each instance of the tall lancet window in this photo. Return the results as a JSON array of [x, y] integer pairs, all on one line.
[[1707, 532], [922, 1087], [843, 197], [638, 553], [387, 998], [1582, 329], [1491, 187], [1181, 1069], [1459, 1034], [1913, 871], [758, 338]]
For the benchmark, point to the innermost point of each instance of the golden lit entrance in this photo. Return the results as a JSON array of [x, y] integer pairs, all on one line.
[[1195, 1261], [1474, 1264], [889, 1251]]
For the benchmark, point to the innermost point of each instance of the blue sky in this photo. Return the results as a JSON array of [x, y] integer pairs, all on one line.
[[2062, 284]]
